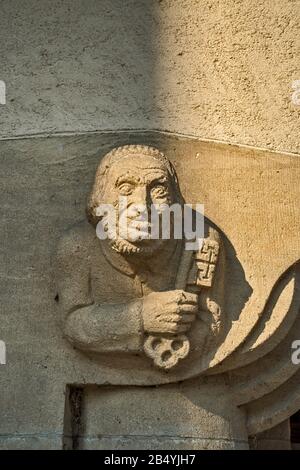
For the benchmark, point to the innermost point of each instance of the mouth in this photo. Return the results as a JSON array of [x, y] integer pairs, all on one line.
[[135, 231]]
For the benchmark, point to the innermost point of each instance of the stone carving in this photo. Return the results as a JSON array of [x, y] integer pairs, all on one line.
[[166, 352], [206, 260], [144, 296], [149, 312]]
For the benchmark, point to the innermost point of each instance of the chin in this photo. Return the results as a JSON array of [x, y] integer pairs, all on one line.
[[127, 247]]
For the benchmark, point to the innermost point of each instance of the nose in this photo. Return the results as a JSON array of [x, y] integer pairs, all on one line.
[[140, 195], [139, 203]]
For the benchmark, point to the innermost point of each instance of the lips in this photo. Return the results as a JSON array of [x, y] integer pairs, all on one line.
[[138, 230]]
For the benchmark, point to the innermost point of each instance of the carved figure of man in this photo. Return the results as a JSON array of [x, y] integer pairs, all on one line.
[[145, 297]]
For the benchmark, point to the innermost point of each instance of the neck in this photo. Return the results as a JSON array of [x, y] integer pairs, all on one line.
[[131, 262]]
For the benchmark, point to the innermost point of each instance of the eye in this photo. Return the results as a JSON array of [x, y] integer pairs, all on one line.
[[159, 191], [125, 189]]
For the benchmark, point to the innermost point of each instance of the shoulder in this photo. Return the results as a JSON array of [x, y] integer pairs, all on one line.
[[76, 242]]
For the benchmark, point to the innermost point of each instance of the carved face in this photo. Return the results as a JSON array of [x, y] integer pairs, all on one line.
[[138, 183]]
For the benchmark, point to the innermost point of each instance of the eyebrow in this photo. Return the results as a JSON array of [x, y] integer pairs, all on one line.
[[126, 178], [159, 179], [130, 178]]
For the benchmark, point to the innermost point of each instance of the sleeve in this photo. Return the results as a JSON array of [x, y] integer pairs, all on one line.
[[86, 324]]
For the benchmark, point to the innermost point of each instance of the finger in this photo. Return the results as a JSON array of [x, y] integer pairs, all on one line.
[[182, 318], [187, 308], [178, 327], [171, 328], [183, 328], [188, 318], [170, 316], [188, 298]]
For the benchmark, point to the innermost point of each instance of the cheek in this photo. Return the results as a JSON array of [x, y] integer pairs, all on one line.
[[162, 200], [110, 196], [123, 202]]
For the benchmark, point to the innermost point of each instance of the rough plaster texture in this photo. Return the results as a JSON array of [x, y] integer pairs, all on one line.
[[277, 438], [215, 69], [138, 417]]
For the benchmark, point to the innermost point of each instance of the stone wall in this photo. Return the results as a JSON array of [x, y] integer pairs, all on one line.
[[218, 70], [93, 75]]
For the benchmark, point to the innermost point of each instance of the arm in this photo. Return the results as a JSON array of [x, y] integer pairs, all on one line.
[[106, 328], [113, 327], [87, 325]]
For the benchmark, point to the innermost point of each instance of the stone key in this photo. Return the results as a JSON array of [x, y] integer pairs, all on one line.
[[165, 351]]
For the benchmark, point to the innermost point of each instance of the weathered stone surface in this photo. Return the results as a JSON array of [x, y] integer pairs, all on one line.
[[277, 438], [215, 70], [168, 417], [218, 69], [261, 241], [130, 298]]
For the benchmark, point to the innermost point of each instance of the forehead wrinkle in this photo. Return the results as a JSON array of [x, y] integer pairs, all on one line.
[[128, 176], [135, 173], [139, 163], [137, 158], [157, 173], [161, 179], [146, 179]]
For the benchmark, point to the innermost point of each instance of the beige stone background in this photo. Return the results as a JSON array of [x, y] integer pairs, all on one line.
[[219, 69], [215, 70]]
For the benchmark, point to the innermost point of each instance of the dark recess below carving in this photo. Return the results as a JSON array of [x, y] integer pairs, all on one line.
[[73, 423]]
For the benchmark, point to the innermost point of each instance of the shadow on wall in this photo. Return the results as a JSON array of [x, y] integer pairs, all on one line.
[[237, 289]]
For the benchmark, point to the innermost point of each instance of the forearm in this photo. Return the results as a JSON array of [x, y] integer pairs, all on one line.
[[106, 328]]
